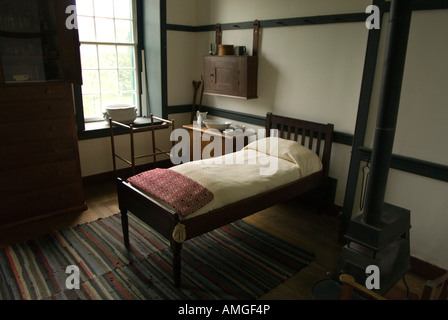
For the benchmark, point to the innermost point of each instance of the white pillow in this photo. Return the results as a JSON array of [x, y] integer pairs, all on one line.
[[307, 160]]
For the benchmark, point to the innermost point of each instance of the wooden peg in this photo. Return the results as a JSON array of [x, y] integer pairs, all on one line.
[[256, 37], [218, 35]]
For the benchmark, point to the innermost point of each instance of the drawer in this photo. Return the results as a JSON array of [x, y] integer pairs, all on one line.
[[30, 205], [36, 130], [45, 176], [36, 91], [18, 111], [37, 153]]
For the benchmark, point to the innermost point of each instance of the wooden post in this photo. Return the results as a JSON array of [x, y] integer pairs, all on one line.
[[218, 35], [113, 146], [176, 248], [125, 227], [256, 38]]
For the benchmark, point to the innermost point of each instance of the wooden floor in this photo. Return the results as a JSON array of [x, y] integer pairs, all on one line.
[[297, 223]]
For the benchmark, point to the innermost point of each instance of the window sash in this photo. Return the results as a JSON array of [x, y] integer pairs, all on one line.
[[117, 89]]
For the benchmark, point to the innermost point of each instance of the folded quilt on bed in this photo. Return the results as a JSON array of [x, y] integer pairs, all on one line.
[[182, 193]]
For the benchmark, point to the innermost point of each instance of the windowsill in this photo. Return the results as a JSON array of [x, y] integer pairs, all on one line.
[[100, 129]]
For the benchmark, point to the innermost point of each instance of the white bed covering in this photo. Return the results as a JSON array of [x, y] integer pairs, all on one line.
[[253, 170]]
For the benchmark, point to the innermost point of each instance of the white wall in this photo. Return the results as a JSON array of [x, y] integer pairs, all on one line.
[[183, 63]]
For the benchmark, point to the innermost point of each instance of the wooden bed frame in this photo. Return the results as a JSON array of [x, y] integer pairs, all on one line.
[[317, 137]]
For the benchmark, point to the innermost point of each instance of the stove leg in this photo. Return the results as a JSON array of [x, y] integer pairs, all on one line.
[[407, 287]]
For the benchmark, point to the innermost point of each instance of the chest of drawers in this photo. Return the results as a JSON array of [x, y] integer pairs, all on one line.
[[40, 172]]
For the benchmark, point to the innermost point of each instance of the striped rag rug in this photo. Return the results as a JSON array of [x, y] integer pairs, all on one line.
[[238, 261]]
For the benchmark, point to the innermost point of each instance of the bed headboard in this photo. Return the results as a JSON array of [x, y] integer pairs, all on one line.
[[315, 136]]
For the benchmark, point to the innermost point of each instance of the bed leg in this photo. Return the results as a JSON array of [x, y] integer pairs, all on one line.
[[124, 225], [176, 247]]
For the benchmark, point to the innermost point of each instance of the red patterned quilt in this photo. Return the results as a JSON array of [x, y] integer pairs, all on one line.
[[182, 193]]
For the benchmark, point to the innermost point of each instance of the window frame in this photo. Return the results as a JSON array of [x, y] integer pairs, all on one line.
[[98, 122], [143, 12]]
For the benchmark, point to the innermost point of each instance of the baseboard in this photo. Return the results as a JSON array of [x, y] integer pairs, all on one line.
[[425, 270]]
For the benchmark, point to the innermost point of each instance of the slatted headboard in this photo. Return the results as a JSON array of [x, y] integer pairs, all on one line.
[[315, 136]]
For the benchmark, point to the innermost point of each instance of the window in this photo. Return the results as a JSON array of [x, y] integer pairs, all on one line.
[[108, 37]]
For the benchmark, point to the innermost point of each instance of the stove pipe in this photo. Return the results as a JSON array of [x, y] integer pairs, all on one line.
[[380, 235], [395, 56]]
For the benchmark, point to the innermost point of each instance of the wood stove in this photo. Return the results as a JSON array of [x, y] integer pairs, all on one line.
[[385, 245], [379, 236]]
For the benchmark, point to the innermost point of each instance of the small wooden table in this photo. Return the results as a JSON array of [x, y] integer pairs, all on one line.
[[152, 127], [203, 137]]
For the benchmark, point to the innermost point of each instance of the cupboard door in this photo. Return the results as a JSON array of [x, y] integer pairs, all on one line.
[[234, 76], [39, 41], [222, 76]]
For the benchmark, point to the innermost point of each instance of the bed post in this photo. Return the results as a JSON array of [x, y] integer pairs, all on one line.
[[326, 203], [176, 248], [124, 213], [267, 125], [327, 149]]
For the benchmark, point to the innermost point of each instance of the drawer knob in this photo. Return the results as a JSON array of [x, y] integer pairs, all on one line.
[[48, 91]]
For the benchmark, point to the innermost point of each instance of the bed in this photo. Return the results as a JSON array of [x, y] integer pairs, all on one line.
[[301, 165]]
